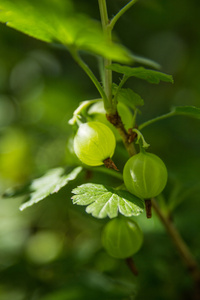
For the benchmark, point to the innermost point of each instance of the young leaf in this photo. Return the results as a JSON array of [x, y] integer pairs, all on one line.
[[190, 111], [142, 73], [49, 184], [103, 201], [49, 24], [128, 97]]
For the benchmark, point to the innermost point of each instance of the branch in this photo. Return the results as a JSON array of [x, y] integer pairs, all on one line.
[[182, 248]]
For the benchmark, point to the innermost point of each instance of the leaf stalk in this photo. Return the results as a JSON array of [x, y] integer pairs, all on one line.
[[89, 72], [120, 13]]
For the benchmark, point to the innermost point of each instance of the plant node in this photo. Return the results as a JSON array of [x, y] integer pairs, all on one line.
[[132, 135], [115, 119]]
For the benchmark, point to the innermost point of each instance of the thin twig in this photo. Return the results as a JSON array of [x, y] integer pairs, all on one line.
[[149, 122], [120, 13]]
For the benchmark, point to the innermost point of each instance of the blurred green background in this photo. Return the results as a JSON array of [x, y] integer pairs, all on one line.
[[52, 251]]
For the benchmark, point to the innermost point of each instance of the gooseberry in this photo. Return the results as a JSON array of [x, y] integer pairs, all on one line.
[[122, 237], [145, 175], [94, 142]]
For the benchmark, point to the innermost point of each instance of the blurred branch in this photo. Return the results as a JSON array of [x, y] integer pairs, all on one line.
[[182, 248]]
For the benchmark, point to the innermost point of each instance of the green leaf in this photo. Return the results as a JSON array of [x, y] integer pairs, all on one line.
[[190, 111], [128, 97], [103, 201], [142, 73], [51, 24], [49, 184]]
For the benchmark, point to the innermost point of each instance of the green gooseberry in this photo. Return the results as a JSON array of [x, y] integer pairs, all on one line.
[[122, 237], [145, 175], [94, 142]]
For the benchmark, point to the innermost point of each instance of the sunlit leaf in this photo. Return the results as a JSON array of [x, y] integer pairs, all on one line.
[[52, 25], [103, 201], [151, 76], [49, 184]]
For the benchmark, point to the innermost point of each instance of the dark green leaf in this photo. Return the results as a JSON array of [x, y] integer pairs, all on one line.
[[50, 24], [191, 111], [103, 201], [142, 73], [48, 184]]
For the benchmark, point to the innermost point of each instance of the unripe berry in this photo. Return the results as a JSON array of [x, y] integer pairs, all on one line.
[[93, 143], [145, 175], [122, 238]]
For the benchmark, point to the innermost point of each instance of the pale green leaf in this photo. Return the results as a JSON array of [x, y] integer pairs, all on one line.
[[103, 201], [151, 76], [49, 184], [190, 111], [46, 22]]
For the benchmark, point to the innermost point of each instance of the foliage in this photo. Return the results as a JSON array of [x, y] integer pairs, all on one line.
[[49, 184], [142, 73], [104, 201], [57, 26], [40, 89]]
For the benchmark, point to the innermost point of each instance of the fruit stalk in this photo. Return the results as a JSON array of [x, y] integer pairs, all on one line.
[[132, 266], [148, 206]]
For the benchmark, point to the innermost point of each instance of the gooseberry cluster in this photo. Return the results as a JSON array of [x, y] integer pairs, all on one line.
[[144, 174]]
